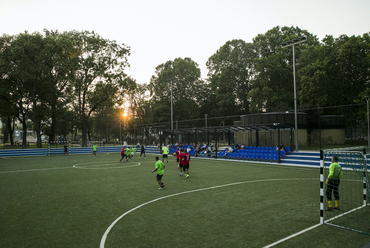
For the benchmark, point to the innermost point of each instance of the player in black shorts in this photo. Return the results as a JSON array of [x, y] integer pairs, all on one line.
[[142, 151], [123, 155]]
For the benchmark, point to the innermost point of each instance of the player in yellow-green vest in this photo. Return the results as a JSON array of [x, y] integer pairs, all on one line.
[[95, 148], [159, 168], [332, 183], [128, 152], [133, 151], [165, 153]]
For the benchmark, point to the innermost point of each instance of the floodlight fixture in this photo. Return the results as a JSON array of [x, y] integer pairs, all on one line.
[[286, 44]]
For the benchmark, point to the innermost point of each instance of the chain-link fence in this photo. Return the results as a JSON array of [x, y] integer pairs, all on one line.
[[318, 128]]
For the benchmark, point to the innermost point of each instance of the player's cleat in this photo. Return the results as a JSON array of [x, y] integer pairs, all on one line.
[[163, 185], [160, 188], [187, 176], [181, 175], [329, 209], [337, 208]]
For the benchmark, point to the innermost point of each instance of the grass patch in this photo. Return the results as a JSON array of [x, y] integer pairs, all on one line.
[[46, 202]]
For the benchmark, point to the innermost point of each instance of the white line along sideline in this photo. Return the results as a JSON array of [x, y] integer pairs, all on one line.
[[104, 238], [99, 165]]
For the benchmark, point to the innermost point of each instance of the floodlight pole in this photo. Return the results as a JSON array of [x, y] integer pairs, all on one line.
[[171, 103], [205, 116], [286, 44], [368, 121], [295, 104], [171, 107]]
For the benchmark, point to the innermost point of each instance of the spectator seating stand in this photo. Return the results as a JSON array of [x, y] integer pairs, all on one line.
[[249, 153]]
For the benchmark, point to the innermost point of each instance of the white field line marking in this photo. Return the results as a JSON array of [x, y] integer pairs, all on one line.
[[102, 242], [51, 156], [88, 166], [312, 227], [266, 164], [60, 168], [292, 236], [348, 212], [23, 157]]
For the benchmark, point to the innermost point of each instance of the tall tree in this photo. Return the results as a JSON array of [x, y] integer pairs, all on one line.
[[64, 60], [21, 75], [184, 74], [336, 72], [272, 88], [37, 69], [231, 69], [99, 76]]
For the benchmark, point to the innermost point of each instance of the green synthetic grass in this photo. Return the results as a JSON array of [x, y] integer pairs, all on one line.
[[46, 202]]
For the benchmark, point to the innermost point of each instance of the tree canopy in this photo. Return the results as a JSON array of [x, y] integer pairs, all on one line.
[[76, 80]]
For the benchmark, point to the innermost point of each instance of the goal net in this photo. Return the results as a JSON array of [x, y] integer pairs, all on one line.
[[352, 210]]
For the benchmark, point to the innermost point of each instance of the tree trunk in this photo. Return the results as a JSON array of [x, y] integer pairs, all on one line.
[[11, 131], [38, 135], [75, 134], [7, 129], [24, 134], [84, 132], [53, 128], [36, 124], [88, 134]]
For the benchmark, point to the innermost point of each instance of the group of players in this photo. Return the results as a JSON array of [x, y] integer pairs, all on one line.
[[182, 157], [183, 160], [129, 153]]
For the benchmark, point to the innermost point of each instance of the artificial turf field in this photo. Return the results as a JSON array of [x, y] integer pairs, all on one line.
[[86, 201]]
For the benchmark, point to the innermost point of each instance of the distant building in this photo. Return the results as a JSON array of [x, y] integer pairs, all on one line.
[[332, 129]]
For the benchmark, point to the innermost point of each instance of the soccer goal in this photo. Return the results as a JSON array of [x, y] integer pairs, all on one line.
[[353, 210]]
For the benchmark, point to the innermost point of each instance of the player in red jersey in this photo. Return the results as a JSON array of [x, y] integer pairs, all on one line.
[[178, 157], [123, 155], [185, 165], [181, 162]]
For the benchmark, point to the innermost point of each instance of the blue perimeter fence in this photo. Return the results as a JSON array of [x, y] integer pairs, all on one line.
[[70, 151]]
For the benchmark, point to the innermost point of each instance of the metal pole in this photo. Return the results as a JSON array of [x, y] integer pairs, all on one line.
[[120, 133], [171, 108], [320, 127], [286, 44], [205, 116], [295, 105], [223, 131], [368, 125]]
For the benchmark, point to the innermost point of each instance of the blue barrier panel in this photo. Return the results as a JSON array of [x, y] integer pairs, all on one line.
[[81, 150], [109, 149], [56, 151], [73, 150], [23, 152]]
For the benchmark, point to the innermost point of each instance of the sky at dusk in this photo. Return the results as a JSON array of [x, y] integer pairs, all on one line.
[[162, 30]]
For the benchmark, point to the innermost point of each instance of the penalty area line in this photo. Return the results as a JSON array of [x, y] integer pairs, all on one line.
[[292, 236], [107, 231], [45, 169]]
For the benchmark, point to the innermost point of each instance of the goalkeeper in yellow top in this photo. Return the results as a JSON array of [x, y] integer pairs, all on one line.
[[332, 183], [165, 153]]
